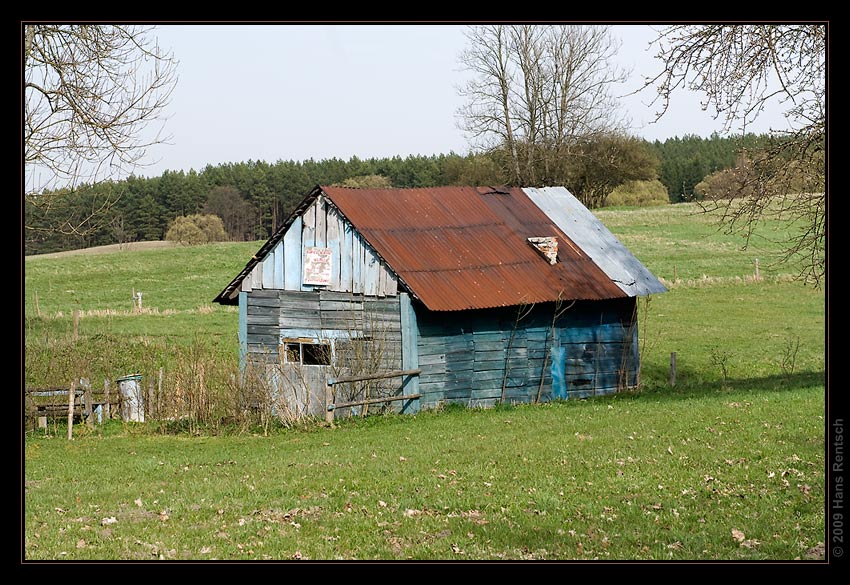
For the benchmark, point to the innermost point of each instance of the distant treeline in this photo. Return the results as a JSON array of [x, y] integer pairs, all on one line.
[[254, 197]]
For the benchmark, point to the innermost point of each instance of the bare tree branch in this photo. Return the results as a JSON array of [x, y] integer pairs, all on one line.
[[90, 91], [740, 70]]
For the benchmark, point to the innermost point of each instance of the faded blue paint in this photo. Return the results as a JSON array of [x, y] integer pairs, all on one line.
[[314, 334], [278, 266], [292, 256], [409, 351], [345, 258], [268, 270], [559, 386], [596, 240], [243, 329], [465, 358]]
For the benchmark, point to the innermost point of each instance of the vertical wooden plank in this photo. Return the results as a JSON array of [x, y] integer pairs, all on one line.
[[308, 237], [357, 275], [246, 284], [257, 276], [329, 399], [107, 408], [373, 272], [243, 330], [388, 282], [334, 233], [292, 256], [382, 280], [321, 223], [71, 410], [308, 230], [158, 408], [345, 259], [88, 413], [409, 352], [278, 266], [268, 271]]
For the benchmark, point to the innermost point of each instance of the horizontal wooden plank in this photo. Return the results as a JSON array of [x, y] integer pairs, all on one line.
[[490, 375], [483, 356], [257, 329], [261, 349], [489, 336], [426, 360], [442, 340], [296, 305], [329, 295], [386, 304], [256, 301], [341, 305], [261, 293], [480, 345], [300, 323], [271, 320], [459, 377]]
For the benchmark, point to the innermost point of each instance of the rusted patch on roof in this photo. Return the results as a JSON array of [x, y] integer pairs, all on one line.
[[466, 248]]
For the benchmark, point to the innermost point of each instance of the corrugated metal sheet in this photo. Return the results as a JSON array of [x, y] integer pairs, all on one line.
[[596, 240], [466, 248]]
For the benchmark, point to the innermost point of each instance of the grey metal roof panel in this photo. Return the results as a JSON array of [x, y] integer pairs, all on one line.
[[603, 247]]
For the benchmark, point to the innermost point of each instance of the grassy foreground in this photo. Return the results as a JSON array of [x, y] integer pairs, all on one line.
[[718, 474], [729, 464]]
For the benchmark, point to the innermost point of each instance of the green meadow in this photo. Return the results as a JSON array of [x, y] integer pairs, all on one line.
[[727, 464]]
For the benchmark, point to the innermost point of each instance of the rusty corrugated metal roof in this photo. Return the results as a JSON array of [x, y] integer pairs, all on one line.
[[466, 247]]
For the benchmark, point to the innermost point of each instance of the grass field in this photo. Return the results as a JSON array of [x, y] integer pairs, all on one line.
[[729, 464]]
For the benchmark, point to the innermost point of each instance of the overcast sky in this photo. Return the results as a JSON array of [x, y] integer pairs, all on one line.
[[320, 91]]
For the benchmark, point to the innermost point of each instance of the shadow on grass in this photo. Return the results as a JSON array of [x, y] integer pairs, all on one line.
[[655, 384]]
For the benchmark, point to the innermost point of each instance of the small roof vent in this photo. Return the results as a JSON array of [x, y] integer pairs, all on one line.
[[547, 247]]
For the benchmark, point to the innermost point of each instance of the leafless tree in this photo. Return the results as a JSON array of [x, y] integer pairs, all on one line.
[[536, 91], [740, 70], [90, 91]]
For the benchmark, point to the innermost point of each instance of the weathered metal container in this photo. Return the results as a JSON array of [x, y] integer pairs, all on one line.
[[132, 400]]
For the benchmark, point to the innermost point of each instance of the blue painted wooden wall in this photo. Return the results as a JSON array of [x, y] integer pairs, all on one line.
[[476, 357]]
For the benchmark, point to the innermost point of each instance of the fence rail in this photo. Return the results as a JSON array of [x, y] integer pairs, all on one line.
[[331, 406]]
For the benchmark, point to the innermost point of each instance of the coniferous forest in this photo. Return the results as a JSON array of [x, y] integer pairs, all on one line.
[[252, 198]]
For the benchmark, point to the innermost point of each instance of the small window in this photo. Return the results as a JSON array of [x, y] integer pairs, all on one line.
[[292, 353], [306, 354], [315, 354]]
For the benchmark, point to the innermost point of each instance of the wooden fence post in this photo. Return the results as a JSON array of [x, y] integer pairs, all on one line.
[[71, 410], [107, 408], [87, 406], [329, 400], [672, 369], [159, 392], [149, 400], [76, 323], [757, 275]]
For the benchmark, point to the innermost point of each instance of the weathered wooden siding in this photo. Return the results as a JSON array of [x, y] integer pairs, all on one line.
[[474, 357], [355, 267], [365, 333]]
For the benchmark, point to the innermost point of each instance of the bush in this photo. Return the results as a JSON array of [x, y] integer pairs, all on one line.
[[196, 229], [639, 194]]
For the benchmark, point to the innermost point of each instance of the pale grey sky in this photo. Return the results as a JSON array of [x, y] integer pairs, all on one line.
[[270, 92]]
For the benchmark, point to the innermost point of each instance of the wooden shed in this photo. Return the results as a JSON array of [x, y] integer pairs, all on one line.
[[493, 294]]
